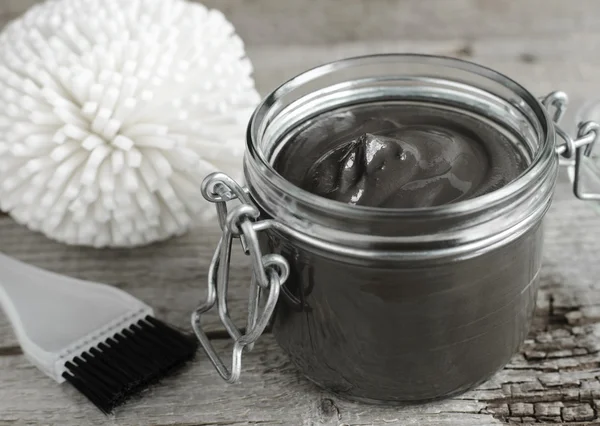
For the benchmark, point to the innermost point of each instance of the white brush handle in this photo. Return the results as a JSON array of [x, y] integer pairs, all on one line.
[[56, 317]]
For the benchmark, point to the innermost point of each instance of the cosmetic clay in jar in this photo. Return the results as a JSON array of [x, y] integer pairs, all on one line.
[[394, 217]]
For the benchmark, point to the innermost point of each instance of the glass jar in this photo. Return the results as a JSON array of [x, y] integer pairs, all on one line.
[[390, 305]]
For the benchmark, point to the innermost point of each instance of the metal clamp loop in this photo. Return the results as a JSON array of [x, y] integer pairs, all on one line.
[[269, 272], [578, 148], [586, 138], [557, 100]]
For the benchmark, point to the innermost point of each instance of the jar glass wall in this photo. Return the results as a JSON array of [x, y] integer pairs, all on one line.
[[404, 304]]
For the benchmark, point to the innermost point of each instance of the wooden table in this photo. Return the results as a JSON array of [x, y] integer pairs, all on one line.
[[555, 377]]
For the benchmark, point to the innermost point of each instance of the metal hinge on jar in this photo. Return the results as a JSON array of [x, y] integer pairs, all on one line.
[[269, 272], [573, 150]]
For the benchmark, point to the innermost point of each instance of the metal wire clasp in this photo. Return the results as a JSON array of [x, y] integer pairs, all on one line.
[[573, 149], [269, 272]]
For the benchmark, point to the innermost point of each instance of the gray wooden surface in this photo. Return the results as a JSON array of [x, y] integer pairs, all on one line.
[[556, 376], [322, 22]]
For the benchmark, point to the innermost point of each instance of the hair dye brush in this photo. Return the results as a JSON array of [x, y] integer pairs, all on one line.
[[100, 339]]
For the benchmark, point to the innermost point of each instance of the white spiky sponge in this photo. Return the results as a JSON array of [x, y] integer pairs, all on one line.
[[113, 111]]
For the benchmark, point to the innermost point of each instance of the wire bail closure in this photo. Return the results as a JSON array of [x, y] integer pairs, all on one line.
[[573, 149], [269, 272]]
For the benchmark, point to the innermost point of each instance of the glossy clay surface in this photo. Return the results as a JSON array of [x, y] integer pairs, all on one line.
[[398, 156]]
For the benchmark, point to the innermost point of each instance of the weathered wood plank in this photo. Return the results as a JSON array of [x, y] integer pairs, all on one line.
[[323, 22], [272, 392], [334, 21]]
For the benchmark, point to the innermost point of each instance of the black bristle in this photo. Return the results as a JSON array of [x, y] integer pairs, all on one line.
[[109, 364], [129, 362]]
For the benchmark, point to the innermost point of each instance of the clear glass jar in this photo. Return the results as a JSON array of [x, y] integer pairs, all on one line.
[[391, 305]]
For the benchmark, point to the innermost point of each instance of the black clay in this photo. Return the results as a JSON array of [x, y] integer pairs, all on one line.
[[407, 193], [395, 156]]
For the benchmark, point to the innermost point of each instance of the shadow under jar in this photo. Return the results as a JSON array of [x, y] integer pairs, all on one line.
[[414, 294]]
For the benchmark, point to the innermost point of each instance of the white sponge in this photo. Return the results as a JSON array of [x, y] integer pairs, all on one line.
[[113, 111]]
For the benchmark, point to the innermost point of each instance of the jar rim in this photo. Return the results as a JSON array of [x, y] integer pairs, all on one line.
[[539, 161]]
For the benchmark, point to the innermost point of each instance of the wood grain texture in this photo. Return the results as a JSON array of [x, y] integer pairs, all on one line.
[[323, 22], [554, 379], [271, 393], [318, 22]]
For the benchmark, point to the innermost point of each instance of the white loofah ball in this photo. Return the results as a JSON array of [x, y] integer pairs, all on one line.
[[113, 111]]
